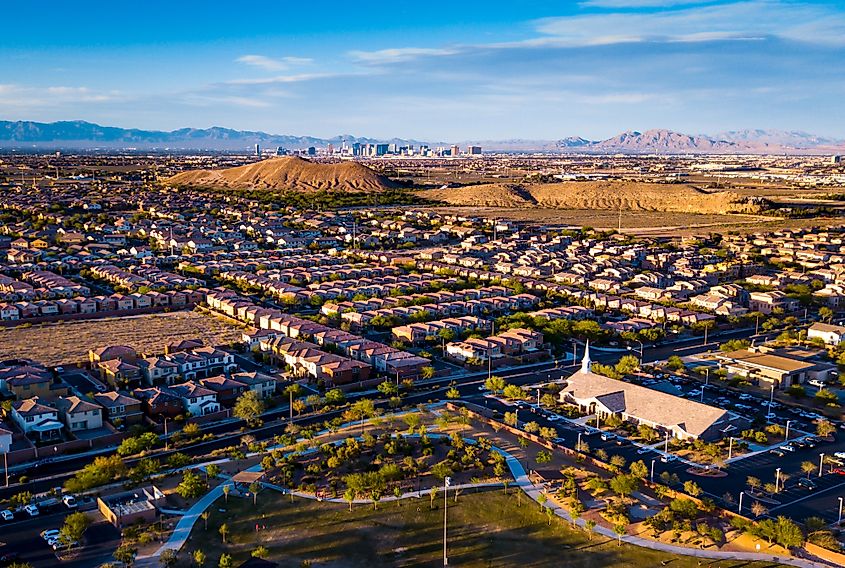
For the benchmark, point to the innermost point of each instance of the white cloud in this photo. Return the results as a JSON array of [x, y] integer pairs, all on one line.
[[270, 64], [640, 3], [25, 96], [753, 19], [399, 54]]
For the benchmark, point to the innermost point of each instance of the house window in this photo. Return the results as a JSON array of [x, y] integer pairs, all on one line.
[[29, 418]]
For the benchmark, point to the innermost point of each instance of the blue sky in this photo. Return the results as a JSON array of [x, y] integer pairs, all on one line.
[[456, 70]]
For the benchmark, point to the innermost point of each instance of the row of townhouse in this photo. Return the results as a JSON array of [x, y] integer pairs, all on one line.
[[655, 313], [57, 284], [120, 366], [495, 304], [140, 276], [514, 342], [563, 312], [334, 273], [306, 359], [439, 297], [388, 360], [418, 332], [115, 302]]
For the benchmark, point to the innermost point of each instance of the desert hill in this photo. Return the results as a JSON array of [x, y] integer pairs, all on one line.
[[609, 195], [288, 174]]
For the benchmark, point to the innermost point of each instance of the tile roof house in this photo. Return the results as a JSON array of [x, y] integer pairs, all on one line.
[[120, 407], [79, 414], [37, 419]]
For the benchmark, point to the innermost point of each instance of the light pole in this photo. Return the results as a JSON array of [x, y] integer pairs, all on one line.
[[538, 397], [446, 483], [771, 398], [821, 463], [578, 445], [730, 448], [166, 441], [666, 447], [741, 493], [652, 470], [641, 351], [839, 521], [777, 480], [786, 436]]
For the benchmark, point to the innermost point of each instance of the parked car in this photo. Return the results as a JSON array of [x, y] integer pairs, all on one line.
[[49, 534], [666, 458], [838, 471], [788, 447], [7, 515], [807, 483], [840, 455], [32, 510], [70, 501]]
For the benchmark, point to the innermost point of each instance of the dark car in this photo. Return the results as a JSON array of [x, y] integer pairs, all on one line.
[[807, 483]]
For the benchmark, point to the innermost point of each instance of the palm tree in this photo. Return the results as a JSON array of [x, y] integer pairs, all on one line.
[[226, 489], [619, 530], [758, 509], [224, 530], [205, 515], [433, 495], [590, 525], [254, 488]]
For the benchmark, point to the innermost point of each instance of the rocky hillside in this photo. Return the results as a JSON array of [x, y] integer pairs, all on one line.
[[601, 195], [288, 174]]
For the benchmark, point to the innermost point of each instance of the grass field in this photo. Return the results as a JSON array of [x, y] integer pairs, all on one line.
[[488, 529], [67, 342]]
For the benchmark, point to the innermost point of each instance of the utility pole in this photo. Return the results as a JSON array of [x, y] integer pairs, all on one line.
[[446, 483]]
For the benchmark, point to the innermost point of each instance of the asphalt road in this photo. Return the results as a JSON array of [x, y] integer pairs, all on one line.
[[21, 536]]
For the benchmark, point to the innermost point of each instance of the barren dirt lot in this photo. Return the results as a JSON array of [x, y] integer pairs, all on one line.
[[651, 223], [67, 342]]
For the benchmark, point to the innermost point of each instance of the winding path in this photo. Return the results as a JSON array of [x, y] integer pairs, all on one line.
[[191, 516]]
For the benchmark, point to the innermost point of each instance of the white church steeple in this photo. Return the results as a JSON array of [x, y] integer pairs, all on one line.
[[586, 364]]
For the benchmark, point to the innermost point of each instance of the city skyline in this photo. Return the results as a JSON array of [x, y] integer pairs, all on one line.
[[591, 69]]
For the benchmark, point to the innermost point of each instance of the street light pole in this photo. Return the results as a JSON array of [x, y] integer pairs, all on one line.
[[446, 483], [666, 448], [741, 493], [772, 398], [578, 446], [777, 480], [786, 436], [652, 470], [730, 448], [166, 444], [821, 463], [839, 521]]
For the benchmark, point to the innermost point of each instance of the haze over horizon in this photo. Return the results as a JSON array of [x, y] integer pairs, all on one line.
[[491, 70]]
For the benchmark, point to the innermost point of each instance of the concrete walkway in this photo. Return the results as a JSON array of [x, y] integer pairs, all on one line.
[[185, 525]]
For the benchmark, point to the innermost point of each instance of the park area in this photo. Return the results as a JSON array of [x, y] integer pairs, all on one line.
[[61, 342], [486, 529]]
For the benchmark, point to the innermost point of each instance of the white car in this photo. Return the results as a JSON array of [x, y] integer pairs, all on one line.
[[32, 510], [7, 515], [49, 534], [69, 501], [840, 455]]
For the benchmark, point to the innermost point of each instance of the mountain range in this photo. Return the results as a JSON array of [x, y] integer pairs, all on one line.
[[81, 135]]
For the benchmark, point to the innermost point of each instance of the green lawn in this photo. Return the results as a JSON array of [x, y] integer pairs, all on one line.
[[488, 529]]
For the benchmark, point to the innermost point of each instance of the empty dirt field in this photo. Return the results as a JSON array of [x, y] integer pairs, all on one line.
[[646, 223], [68, 342]]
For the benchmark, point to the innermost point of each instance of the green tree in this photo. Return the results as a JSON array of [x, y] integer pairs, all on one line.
[[675, 363], [73, 528], [261, 552], [388, 388], [199, 557], [167, 558], [808, 467], [427, 372], [692, 488], [453, 393], [126, 554], [495, 384], [639, 469], [787, 533], [335, 397], [627, 365], [543, 456], [191, 486], [249, 408], [212, 470], [226, 561], [825, 396], [514, 392], [590, 525], [624, 485], [825, 428]]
